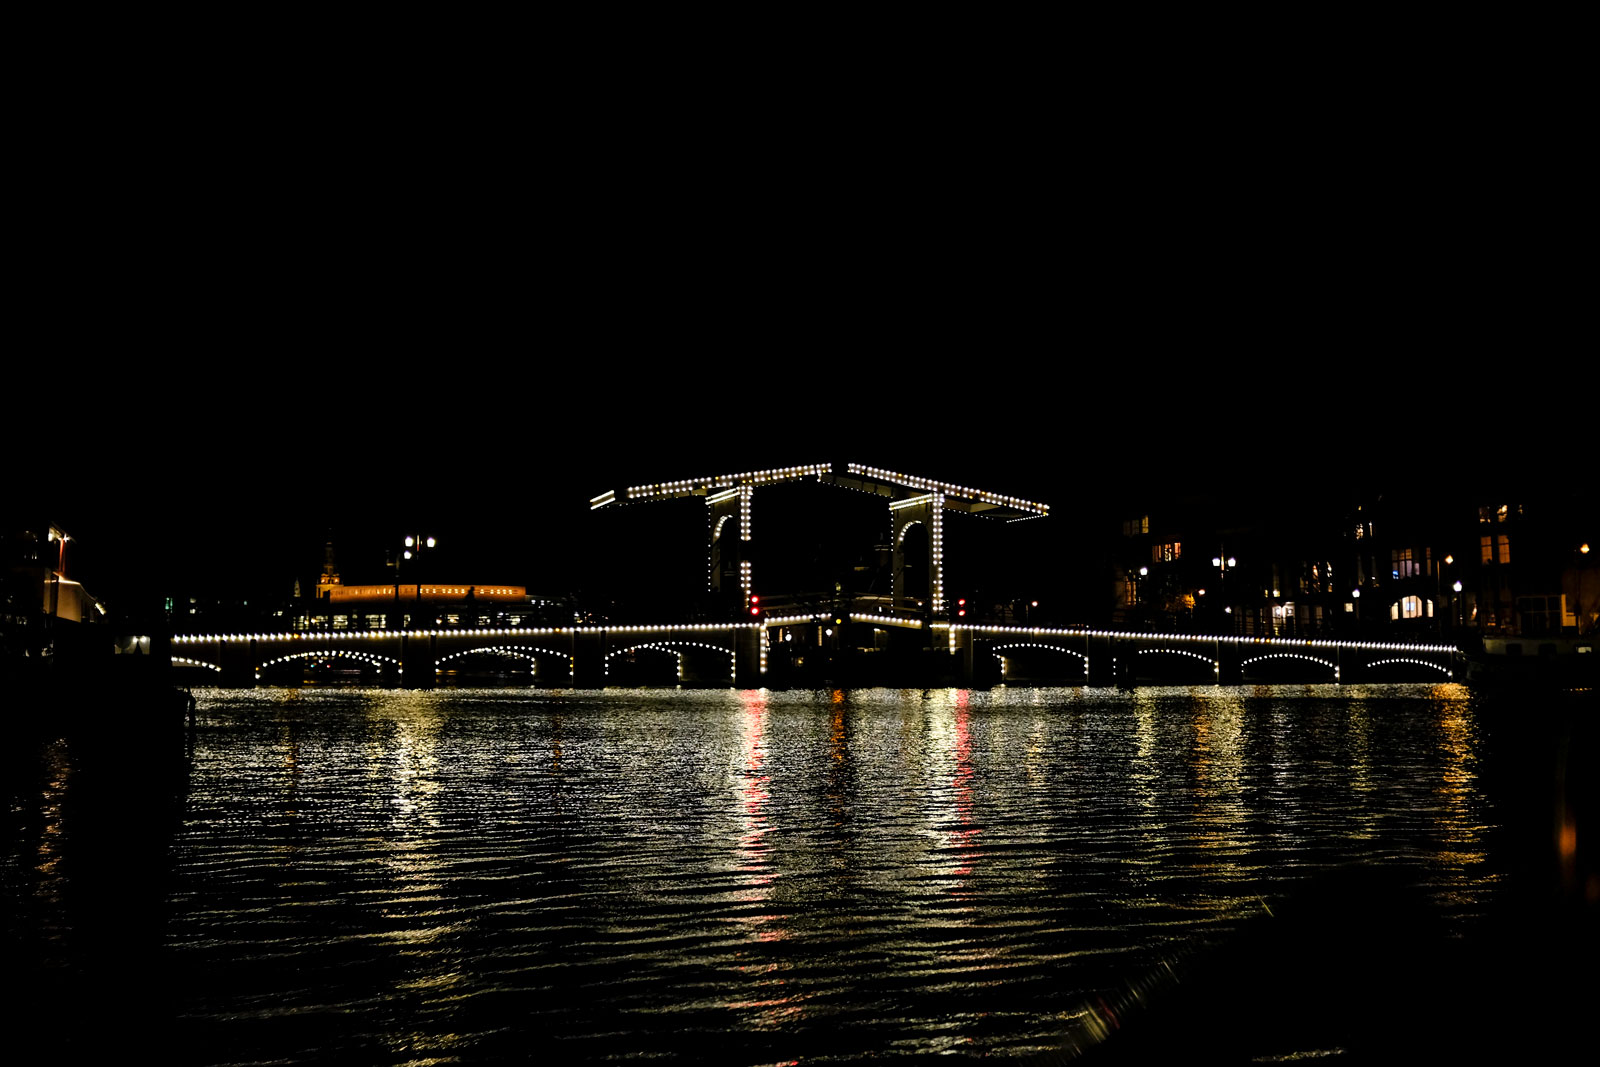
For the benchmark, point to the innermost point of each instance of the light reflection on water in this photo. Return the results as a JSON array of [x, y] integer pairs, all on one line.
[[746, 876]]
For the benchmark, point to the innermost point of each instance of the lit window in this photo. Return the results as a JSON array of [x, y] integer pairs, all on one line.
[[1486, 542], [1404, 565], [1505, 549], [1500, 515], [1410, 608]]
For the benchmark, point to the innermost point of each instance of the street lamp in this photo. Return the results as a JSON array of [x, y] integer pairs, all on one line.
[[414, 546], [1223, 563]]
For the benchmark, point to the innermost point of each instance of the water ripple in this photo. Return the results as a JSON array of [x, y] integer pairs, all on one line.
[[755, 877]]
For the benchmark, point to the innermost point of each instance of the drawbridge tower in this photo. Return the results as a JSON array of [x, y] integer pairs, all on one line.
[[917, 508]]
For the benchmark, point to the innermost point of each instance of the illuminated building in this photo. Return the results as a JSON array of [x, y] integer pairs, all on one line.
[[38, 593], [428, 604], [328, 580]]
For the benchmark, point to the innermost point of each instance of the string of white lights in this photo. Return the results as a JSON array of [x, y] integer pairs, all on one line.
[[996, 650], [1289, 655], [711, 627], [686, 485], [947, 488], [1418, 662]]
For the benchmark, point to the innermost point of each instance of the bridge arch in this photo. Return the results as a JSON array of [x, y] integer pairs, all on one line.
[[1320, 661], [1408, 661], [916, 553], [996, 650], [1184, 655], [530, 652], [679, 649], [371, 659], [904, 527]]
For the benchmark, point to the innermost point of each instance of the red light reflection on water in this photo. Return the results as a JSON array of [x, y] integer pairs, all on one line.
[[753, 861], [754, 789], [964, 839]]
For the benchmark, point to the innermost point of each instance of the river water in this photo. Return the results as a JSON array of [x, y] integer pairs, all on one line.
[[481, 876]]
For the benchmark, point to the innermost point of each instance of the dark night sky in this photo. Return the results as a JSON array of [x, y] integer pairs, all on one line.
[[236, 366], [237, 488]]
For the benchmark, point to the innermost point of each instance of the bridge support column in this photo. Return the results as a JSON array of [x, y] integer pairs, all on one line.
[[966, 658], [417, 654], [589, 659], [1230, 663], [1100, 651], [923, 591], [238, 659], [1351, 662], [728, 525], [747, 658]]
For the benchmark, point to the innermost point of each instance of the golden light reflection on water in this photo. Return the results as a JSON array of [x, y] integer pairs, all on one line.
[[1033, 763], [756, 854], [1460, 821], [288, 716], [47, 853], [1216, 765], [402, 764], [1145, 772]]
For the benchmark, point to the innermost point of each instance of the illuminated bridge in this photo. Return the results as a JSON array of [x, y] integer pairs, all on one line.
[[906, 638], [756, 654]]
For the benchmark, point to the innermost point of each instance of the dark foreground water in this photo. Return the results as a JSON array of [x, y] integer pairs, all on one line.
[[390, 877]]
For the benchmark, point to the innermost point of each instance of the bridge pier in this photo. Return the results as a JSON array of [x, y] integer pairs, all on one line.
[[238, 660], [966, 643], [1102, 652], [747, 657], [1230, 662], [589, 659], [417, 655]]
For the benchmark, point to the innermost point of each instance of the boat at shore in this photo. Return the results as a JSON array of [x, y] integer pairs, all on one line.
[[1560, 661]]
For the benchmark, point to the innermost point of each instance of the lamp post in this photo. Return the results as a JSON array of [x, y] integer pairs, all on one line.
[[414, 545], [1223, 562]]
